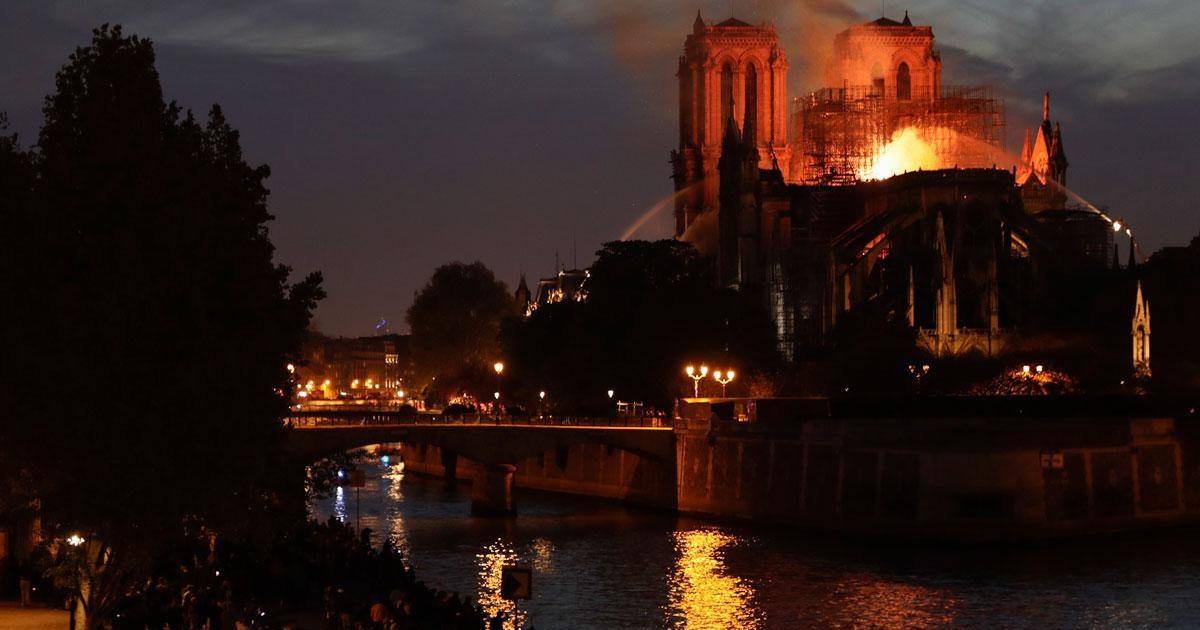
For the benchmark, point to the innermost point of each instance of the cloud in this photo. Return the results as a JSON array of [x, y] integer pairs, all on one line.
[[281, 30]]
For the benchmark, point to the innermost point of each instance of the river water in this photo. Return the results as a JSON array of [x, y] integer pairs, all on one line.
[[601, 565]]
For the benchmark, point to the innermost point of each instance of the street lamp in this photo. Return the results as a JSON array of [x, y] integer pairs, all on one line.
[[696, 376], [723, 379], [610, 394], [499, 368]]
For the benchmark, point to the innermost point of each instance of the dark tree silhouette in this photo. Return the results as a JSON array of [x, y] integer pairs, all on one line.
[[651, 307], [455, 322], [148, 328]]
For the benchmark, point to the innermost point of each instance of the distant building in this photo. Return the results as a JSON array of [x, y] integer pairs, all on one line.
[[569, 285], [355, 367]]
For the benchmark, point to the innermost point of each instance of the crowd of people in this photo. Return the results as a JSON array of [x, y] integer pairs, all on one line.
[[322, 573]]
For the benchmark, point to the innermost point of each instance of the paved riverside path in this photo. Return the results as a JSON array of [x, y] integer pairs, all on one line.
[[13, 617]]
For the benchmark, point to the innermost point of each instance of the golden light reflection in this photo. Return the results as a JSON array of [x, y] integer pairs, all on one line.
[[491, 562], [702, 594], [876, 603], [397, 534], [542, 550]]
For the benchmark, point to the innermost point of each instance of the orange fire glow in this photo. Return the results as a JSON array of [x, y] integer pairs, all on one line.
[[927, 148], [907, 151]]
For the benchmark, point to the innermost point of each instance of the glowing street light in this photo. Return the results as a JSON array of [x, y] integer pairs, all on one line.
[[542, 395], [696, 377], [75, 540], [1116, 226], [496, 395], [1025, 370], [499, 367], [724, 380], [610, 394]]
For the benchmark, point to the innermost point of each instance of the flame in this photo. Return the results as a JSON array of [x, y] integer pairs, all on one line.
[[907, 151]]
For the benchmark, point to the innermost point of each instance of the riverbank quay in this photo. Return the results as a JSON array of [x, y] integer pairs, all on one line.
[[15, 617], [953, 469], [316, 576]]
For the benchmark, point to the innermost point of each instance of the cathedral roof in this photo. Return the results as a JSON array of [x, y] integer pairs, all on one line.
[[735, 22], [884, 21]]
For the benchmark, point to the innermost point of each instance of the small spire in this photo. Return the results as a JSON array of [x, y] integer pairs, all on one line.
[[698, 25], [1046, 107], [906, 22], [1133, 261]]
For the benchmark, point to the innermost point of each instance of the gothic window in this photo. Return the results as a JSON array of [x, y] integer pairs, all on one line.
[[877, 79], [903, 82], [750, 118], [726, 94]]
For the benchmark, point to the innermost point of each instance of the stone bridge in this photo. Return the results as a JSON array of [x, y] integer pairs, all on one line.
[[495, 444]]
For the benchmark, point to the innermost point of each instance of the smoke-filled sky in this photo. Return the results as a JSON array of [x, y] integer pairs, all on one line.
[[405, 134]]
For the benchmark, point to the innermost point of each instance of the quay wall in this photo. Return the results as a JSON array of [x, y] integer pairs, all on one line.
[[587, 469], [959, 478], [946, 478]]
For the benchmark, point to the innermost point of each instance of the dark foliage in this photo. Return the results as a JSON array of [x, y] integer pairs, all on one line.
[[146, 325], [455, 322], [651, 307]]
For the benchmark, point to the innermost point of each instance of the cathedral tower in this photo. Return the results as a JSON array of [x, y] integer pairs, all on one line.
[[728, 71], [893, 60]]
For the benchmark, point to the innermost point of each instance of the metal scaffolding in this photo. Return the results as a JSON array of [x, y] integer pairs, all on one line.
[[839, 132]]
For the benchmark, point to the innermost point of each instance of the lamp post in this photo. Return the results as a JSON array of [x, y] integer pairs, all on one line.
[[541, 403], [696, 376], [723, 379], [499, 368]]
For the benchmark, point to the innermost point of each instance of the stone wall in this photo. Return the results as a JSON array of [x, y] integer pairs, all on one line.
[[589, 470], [969, 479], [963, 478]]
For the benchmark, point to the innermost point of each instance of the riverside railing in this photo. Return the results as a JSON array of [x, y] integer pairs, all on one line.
[[305, 419]]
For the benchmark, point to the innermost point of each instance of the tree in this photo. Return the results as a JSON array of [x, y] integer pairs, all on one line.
[[455, 322], [150, 330], [651, 307]]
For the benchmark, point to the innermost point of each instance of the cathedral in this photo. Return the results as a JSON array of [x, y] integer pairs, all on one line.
[[884, 201]]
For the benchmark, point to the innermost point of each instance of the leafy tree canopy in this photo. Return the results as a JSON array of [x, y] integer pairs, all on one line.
[[148, 327], [651, 308], [455, 322]]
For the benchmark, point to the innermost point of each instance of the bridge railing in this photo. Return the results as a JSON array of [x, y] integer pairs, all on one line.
[[346, 418]]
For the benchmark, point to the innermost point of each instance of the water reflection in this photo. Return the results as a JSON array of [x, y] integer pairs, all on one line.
[[397, 533], [605, 567], [339, 504], [881, 603], [702, 593], [491, 562], [542, 550]]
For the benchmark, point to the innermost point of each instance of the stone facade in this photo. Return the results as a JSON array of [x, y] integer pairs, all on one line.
[[729, 70], [895, 59]]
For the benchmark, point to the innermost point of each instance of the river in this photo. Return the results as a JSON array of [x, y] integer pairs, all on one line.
[[601, 565]]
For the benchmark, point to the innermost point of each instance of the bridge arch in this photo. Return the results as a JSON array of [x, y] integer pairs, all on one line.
[[495, 451]]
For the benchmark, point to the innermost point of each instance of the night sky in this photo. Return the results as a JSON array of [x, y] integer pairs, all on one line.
[[403, 134]]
